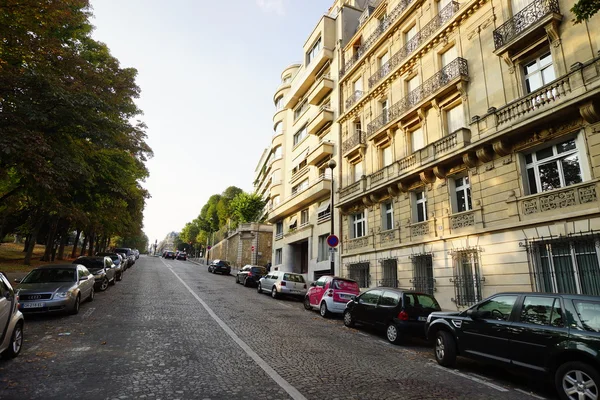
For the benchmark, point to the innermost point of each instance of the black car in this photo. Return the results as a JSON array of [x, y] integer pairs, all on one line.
[[170, 254], [220, 266], [250, 275], [557, 335], [103, 269], [398, 312], [181, 256]]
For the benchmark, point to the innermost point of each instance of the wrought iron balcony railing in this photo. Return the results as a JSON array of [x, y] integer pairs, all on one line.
[[455, 69], [522, 20], [354, 98], [444, 15], [379, 31], [356, 139]]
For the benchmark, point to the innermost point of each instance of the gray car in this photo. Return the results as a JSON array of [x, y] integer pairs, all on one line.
[[118, 261], [55, 288], [103, 269], [11, 320], [282, 283]]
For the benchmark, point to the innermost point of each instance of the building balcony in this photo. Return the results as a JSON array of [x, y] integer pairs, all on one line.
[[527, 25], [323, 117], [354, 142], [302, 198], [437, 85], [388, 238], [421, 37], [323, 151], [466, 220], [278, 139], [420, 229], [350, 101], [352, 190], [322, 88], [357, 245]]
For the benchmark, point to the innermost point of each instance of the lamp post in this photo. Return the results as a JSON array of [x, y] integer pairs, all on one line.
[[332, 164]]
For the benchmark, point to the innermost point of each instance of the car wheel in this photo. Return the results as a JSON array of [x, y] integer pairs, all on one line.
[[392, 334], [348, 321], [16, 342], [246, 283], [445, 349], [208, 269], [274, 293], [120, 276], [114, 281], [576, 380], [307, 306], [258, 288], [92, 295], [323, 310], [75, 309], [237, 279], [104, 284]]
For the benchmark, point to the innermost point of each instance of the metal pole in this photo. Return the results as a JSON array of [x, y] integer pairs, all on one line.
[[332, 165]]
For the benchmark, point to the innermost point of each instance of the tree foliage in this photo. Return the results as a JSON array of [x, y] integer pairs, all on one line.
[[585, 9], [247, 207]]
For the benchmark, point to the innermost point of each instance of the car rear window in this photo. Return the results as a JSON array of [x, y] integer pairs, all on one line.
[[343, 284], [589, 314], [224, 263], [259, 270], [421, 300], [293, 278]]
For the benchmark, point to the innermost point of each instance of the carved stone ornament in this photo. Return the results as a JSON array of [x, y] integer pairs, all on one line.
[[590, 111], [485, 154], [427, 176], [403, 187], [470, 159], [502, 148], [552, 32], [367, 201], [393, 191], [374, 197], [440, 172]]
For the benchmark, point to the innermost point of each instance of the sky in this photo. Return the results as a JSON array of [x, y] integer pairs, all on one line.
[[208, 71]]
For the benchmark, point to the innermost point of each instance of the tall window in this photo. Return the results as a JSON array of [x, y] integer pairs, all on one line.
[[360, 273], [303, 217], [279, 103], [553, 167], [387, 216], [467, 278], [279, 128], [383, 62], [518, 5], [322, 254], [423, 280], [386, 156], [441, 4], [389, 268], [420, 206], [359, 225], [358, 87], [357, 126], [300, 187], [417, 141], [384, 110], [278, 153], [412, 84], [409, 34], [357, 171], [463, 194], [539, 72], [278, 256], [301, 134], [312, 53], [279, 229], [449, 55], [455, 118], [300, 109]]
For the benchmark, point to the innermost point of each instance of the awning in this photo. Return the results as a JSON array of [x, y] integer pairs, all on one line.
[[293, 222], [323, 208]]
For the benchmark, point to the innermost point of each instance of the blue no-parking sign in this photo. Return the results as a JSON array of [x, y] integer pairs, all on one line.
[[332, 241]]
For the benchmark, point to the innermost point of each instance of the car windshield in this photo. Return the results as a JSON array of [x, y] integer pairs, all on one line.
[[293, 278], [50, 275], [343, 284], [422, 301]]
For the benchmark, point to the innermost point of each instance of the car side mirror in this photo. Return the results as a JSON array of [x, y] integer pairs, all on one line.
[[17, 280], [478, 314], [313, 284]]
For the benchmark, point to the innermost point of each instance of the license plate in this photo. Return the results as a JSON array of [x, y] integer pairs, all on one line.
[[33, 305], [422, 319]]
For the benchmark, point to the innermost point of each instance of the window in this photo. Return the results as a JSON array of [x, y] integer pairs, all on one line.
[[589, 314], [357, 171], [298, 167], [386, 156], [358, 87], [357, 126], [466, 279], [390, 273], [300, 135], [387, 216], [448, 56], [568, 265], [321, 281], [293, 223], [276, 200], [359, 225], [518, 5], [423, 273], [302, 186], [278, 256], [384, 110], [383, 62], [417, 141], [278, 152], [389, 299], [553, 167], [312, 53], [542, 311], [412, 84], [409, 34], [304, 217], [279, 230], [360, 273], [323, 212], [323, 252], [455, 118], [279, 128], [442, 3], [463, 194], [300, 109], [538, 72], [371, 297], [279, 103], [420, 206], [499, 307]]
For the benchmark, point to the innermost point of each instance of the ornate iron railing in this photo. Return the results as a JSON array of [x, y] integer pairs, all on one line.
[[355, 187], [444, 15], [456, 68], [420, 229], [423, 284], [467, 289], [523, 20], [357, 243], [356, 139], [354, 98], [379, 31], [462, 220], [389, 282], [388, 236], [560, 198]]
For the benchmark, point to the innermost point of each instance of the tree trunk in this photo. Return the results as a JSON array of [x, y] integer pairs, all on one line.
[[91, 241], [84, 245], [74, 251], [64, 238], [31, 242], [26, 244], [50, 241]]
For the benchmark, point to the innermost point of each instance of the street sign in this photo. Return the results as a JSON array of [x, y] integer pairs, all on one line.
[[332, 241], [333, 250], [209, 247]]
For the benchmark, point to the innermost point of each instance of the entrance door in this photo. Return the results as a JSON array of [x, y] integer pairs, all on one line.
[[303, 257]]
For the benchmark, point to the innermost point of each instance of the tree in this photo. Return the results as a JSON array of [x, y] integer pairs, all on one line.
[[247, 207], [585, 9]]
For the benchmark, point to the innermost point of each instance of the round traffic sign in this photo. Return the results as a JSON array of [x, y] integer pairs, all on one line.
[[209, 247], [332, 241]]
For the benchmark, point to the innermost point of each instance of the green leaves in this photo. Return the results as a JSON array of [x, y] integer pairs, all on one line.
[[585, 9], [247, 207]]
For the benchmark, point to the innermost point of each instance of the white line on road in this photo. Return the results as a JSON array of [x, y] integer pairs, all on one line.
[[285, 385], [88, 312], [472, 378], [530, 394]]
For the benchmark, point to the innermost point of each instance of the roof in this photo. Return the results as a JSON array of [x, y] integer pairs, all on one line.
[[565, 295], [58, 266]]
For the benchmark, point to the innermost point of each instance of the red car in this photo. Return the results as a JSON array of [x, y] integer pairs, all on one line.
[[329, 294]]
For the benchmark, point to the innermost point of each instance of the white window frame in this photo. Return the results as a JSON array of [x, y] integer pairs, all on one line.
[[300, 135], [386, 161], [304, 217], [413, 145], [385, 213], [278, 128], [358, 220], [301, 109], [355, 169], [539, 71], [279, 103], [384, 104], [278, 256], [456, 111], [464, 188], [322, 253], [314, 50], [422, 202]]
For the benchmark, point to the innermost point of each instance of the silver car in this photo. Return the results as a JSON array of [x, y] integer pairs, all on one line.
[[11, 320], [55, 288], [282, 283]]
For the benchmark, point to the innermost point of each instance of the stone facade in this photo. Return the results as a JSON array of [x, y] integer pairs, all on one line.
[[237, 247]]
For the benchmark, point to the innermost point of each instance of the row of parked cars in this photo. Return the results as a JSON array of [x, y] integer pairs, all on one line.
[[548, 335], [56, 288], [175, 255]]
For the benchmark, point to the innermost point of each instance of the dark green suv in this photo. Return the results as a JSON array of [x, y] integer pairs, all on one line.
[[557, 335]]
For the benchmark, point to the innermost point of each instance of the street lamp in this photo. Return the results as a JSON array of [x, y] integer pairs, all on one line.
[[332, 164]]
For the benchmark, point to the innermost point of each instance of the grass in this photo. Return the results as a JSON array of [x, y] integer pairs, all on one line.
[[12, 257]]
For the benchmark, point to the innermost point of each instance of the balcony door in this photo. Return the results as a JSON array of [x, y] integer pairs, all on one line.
[[518, 5]]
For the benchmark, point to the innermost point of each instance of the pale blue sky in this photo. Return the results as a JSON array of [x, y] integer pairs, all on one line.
[[208, 71]]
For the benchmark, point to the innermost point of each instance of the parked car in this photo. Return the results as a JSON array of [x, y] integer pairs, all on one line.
[[557, 335], [329, 294], [118, 261], [282, 283], [398, 312], [103, 269], [220, 266], [250, 274], [136, 253], [182, 256], [170, 254], [55, 288], [125, 260], [11, 320], [128, 252]]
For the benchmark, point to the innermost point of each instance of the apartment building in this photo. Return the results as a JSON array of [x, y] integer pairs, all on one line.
[[470, 146], [305, 140]]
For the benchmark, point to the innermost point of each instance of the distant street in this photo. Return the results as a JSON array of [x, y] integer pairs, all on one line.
[[171, 330]]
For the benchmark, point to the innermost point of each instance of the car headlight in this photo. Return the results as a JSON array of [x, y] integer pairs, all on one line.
[[62, 295]]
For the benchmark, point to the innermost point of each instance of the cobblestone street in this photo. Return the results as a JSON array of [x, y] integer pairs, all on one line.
[[171, 330]]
